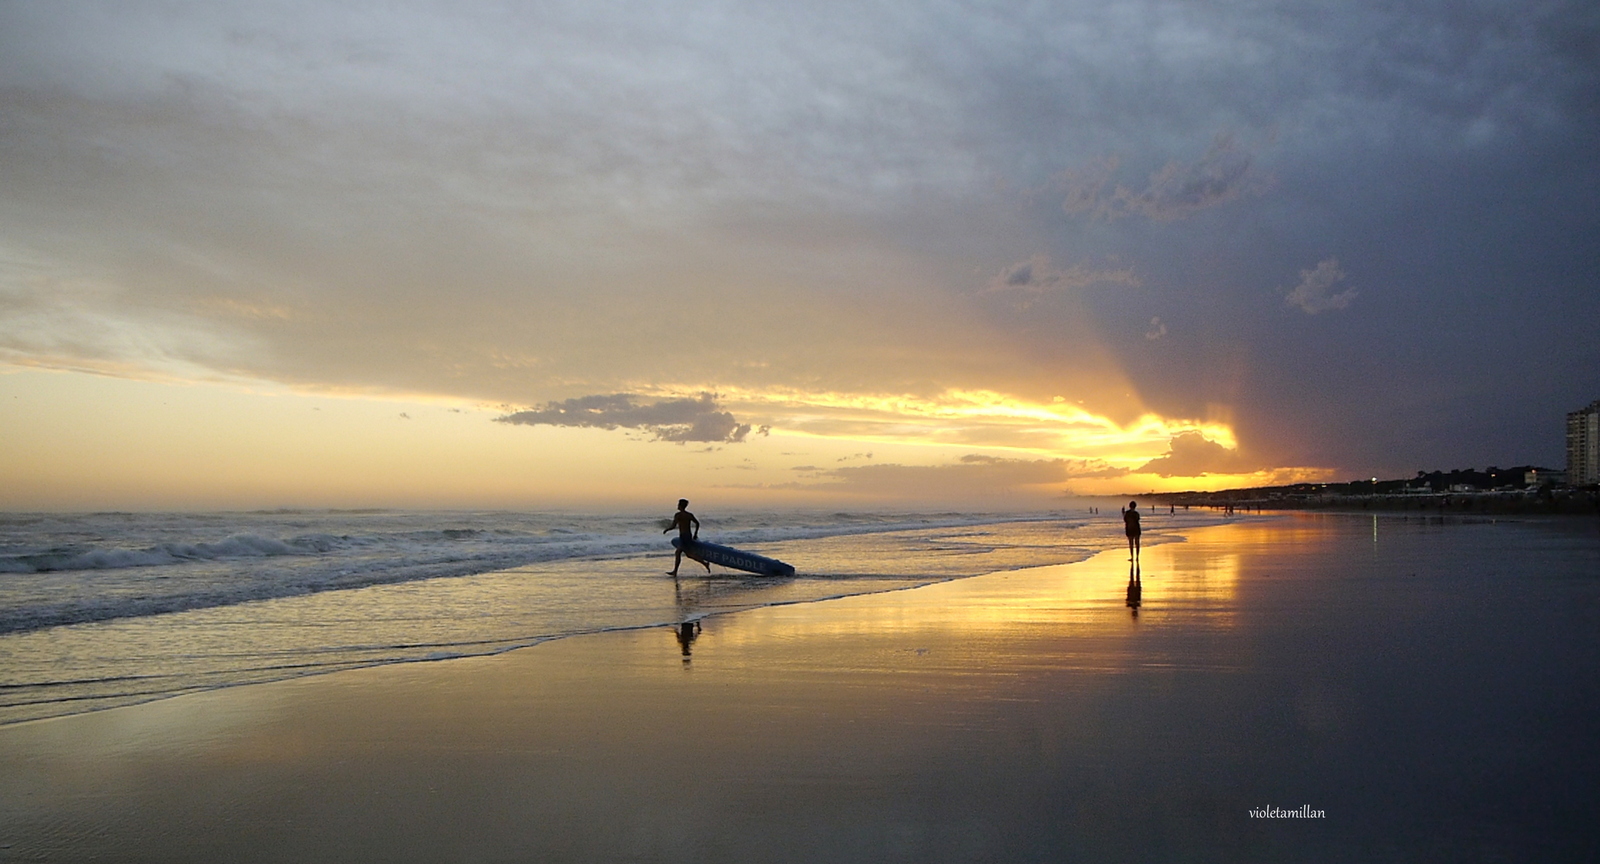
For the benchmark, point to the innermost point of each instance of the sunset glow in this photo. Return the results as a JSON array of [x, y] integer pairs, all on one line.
[[256, 255]]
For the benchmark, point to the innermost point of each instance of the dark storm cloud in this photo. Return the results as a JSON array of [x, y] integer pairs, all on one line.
[[1446, 151], [1193, 455], [679, 420], [489, 200]]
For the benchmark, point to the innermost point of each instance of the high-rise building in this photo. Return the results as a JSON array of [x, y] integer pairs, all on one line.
[[1583, 446]]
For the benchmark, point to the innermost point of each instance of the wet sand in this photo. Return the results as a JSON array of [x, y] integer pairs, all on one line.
[[1433, 690]]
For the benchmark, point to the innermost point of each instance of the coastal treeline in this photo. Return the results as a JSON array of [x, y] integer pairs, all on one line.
[[1522, 489]]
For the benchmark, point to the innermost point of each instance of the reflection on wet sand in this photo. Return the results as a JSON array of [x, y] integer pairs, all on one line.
[[724, 591], [980, 621], [1048, 617], [687, 632], [1022, 716], [1199, 582], [1135, 589]]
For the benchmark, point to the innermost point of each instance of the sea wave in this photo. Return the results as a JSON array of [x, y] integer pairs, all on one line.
[[493, 547], [93, 577], [236, 546]]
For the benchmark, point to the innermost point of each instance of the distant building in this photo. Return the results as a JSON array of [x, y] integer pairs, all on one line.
[[1544, 477], [1583, 446]]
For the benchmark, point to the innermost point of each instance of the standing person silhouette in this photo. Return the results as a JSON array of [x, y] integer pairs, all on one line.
[[1130, 527], [684, 521]]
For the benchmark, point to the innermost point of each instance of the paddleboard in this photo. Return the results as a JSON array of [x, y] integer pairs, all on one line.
[[733, 559]]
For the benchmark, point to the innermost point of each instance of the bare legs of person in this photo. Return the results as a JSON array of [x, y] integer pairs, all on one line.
[[677, 561]]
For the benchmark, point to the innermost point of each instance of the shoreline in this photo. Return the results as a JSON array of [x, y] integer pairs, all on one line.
[[1022, 715], [719, 578]]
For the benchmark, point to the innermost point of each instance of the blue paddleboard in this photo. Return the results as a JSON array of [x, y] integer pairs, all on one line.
[[733, 559]]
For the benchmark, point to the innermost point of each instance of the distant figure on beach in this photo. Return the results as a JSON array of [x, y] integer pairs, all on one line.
[[1130, 527], [688, 532]]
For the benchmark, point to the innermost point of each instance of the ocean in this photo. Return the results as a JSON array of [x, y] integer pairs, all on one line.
[[99, 610]]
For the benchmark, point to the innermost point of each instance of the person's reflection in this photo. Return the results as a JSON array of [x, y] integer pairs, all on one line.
[[1135, 589], [687, 631]]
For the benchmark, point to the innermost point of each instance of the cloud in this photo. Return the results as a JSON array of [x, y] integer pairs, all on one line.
[[1036, 276], [679, 420], [541, 201], [1178, 190], [1194, 455], [973, 476], [1156, 331], [1312, 294], [1092, 469]]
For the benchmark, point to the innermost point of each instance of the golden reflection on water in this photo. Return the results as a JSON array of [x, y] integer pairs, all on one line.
[[1195, 579], [1298, 530], [978, 636], [1043, 670], [1080, 616], [1004, 706]]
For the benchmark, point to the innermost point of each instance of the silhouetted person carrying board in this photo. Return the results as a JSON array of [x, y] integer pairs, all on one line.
[[688, 532], [1130, 527]]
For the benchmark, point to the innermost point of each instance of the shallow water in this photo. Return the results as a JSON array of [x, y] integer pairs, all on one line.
[[113, 609], [1429, 690]]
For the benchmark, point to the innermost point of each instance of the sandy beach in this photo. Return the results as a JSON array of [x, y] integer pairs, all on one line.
[[1373, 688], [360, 363]]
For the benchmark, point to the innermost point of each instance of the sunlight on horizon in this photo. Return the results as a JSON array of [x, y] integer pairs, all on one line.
[[83, 441], [1058, 428]]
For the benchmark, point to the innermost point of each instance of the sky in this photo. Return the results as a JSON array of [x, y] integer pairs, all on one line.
[[812, 254]]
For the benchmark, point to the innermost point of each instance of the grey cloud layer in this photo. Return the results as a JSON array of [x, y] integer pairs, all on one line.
[[1191, 455], [973, 476], [679, 420], [1037, 276], [491, 200], [1177, 190]]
